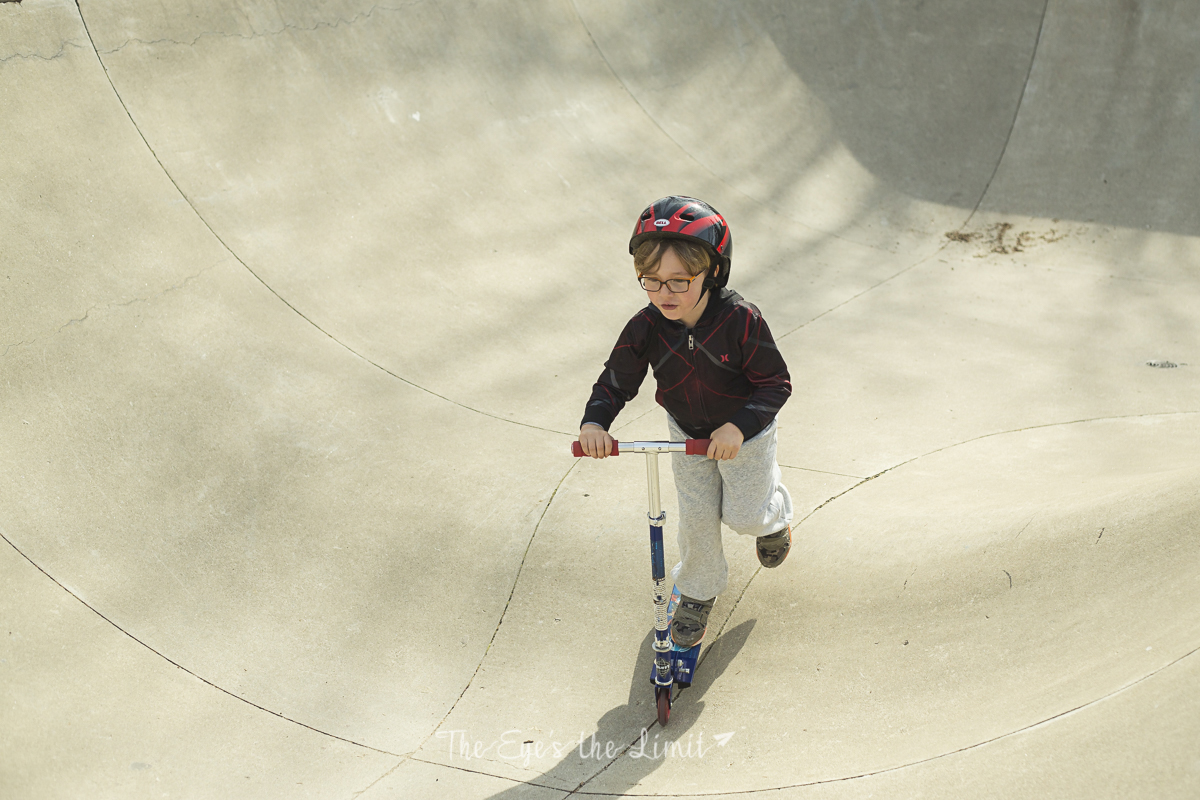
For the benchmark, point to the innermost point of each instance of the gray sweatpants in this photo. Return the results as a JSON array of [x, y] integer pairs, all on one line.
[[745, 492]]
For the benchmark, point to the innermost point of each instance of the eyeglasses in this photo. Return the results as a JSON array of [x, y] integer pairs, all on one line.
[[676, 285]]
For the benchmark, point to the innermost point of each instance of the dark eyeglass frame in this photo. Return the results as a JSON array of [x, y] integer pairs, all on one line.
[[686, 282]]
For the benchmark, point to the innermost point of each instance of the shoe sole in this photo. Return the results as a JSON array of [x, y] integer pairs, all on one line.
[[682, 646]]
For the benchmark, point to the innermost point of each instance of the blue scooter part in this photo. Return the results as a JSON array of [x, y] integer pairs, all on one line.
[[683, 659], [661, 671], [683, 664]]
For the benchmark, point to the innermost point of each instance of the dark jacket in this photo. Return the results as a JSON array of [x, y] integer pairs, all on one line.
[[726, 369]]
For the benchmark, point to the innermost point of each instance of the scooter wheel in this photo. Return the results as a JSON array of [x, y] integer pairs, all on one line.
[[662, 698]]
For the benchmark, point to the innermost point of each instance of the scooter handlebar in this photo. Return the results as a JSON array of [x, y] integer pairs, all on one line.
[[691, 447], [577, 449]]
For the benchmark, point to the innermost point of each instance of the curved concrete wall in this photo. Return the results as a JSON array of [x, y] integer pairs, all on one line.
[[301, 302]]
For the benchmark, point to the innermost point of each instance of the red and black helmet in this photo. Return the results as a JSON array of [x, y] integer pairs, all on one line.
[[687, 218]]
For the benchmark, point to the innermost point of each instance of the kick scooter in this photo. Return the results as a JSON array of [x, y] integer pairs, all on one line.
[[672, 664]]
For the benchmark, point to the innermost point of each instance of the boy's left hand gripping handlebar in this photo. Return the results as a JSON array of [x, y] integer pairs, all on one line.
[[691, 447], [577, 449]]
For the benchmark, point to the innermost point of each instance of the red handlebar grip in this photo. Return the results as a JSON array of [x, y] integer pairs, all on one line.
[[698, 447], [577, 449]]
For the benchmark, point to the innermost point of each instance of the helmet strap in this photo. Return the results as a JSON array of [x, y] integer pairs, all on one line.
[[709, 283], [710, 280]]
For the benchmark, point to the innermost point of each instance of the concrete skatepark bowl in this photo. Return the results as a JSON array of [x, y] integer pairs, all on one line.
[[302, 300]]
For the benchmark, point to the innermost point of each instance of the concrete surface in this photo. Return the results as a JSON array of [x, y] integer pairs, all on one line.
[[302, 300]]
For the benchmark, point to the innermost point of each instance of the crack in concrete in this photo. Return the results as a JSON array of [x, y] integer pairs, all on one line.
[[339, 22], [128, 303], [87, 314], [39, 57], [579, 789], [404, 758], [988, 436], [822, 471], [919, 262], [8, 347], [1027, 524], [516, 781]]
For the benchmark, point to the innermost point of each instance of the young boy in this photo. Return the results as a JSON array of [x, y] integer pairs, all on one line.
[[719, 377]]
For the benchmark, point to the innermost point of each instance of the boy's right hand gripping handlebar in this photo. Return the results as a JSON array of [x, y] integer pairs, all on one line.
[[691, 447]]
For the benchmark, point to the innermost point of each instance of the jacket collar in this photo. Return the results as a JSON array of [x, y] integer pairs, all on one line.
[[719, 300]]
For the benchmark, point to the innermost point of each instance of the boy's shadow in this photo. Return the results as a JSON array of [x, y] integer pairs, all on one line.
[[572, 772]]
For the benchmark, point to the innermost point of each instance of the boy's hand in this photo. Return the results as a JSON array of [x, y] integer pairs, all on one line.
[[595, 441], [726, 442]]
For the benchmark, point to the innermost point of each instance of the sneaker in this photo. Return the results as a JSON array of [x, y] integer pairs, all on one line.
[[690, 621], [773, 549]]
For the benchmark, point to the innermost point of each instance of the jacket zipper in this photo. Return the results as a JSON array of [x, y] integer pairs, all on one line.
[[700, 396]]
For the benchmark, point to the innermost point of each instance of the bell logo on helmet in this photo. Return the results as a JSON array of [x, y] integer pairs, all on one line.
[[661, 223]]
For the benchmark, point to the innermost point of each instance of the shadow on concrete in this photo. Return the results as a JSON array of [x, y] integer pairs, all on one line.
[[925, 95], [654, 741]]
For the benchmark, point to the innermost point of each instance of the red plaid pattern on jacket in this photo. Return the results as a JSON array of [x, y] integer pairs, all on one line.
[[725, 369]]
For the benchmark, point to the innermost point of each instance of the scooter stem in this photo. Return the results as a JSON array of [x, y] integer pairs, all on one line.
[[656, 513], [658, 571]]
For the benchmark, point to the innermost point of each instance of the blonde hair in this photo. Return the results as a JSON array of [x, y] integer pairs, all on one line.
[[649, 253]]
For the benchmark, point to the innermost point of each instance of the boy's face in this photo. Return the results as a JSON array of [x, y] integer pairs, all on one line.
[[675, 306]]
